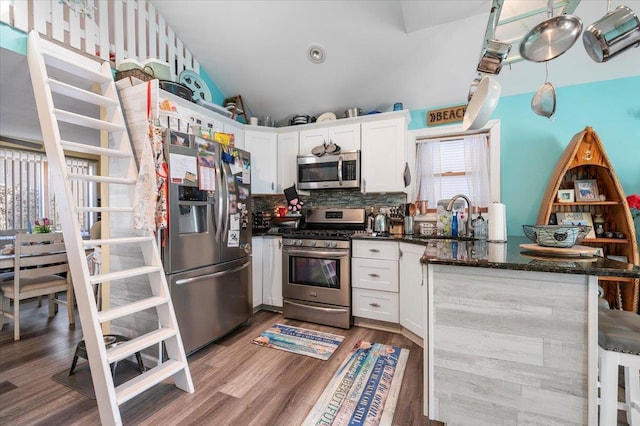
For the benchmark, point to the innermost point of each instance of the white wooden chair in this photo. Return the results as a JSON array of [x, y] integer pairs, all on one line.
[[40, 268], [619, 346]]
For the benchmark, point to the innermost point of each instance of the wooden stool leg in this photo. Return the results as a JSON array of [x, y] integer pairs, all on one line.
[[608, 387], [16, 319]]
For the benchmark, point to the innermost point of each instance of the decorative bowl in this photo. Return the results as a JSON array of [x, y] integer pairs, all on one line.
[[556, 235]]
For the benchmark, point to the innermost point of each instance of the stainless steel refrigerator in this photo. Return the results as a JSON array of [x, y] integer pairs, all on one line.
[[206, 251]]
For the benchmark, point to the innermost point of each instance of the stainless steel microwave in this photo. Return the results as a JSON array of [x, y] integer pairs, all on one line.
[[329, 171]]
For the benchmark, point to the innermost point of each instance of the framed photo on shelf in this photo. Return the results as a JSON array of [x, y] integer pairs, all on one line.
[[576, 218], [586, 190], [566, 196]]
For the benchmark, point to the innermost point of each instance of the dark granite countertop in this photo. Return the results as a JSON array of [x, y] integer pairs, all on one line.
[[508, 255]]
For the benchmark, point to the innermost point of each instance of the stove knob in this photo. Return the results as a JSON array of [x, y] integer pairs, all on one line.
[[312, 243], [298, 242], [327, 244], [332, 244]]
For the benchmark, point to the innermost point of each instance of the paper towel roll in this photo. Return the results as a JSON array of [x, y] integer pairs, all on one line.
[[497, 222], [497, 252]]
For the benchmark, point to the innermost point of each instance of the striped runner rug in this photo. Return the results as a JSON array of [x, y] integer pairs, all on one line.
[[302, 341], [365, 388]]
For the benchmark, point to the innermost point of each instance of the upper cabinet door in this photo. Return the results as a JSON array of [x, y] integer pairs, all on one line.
[[311, 138], [264, 156], [383, 147], [238, 133], [287, 164], [347, 136]]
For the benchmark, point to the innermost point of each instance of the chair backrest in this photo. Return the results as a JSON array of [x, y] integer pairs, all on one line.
[[38, 255]]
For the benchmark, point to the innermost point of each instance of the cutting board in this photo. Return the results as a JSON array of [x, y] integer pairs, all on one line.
[[575, 251]]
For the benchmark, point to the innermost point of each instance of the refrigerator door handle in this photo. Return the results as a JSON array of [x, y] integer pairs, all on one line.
[[215, 274], [225, 185], [218, 218]]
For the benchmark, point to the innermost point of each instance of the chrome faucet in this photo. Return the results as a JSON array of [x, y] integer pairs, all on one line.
[[469, 226]]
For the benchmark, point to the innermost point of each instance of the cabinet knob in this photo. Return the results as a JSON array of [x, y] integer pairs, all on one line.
[[375, 305]]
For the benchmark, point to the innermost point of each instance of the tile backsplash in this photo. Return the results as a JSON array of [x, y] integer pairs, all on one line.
[[331, 198]]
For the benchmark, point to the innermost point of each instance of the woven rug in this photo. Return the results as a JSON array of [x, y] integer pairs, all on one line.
[[365, 388], [315, 344]]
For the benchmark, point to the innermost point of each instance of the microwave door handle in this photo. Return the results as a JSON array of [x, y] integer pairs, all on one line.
[[340, 170]]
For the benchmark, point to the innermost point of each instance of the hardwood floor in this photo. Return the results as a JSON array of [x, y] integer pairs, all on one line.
[[236, 382]]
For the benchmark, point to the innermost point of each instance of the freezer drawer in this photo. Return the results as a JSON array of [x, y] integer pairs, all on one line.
[[212, 301]]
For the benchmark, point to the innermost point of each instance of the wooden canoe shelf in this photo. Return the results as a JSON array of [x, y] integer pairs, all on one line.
[[585, 158]]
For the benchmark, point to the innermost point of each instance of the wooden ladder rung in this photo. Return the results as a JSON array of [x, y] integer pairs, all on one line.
[[127, 348], [127, 273], [131, 308], [146, 380]]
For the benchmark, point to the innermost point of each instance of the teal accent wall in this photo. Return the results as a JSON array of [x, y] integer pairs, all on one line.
[[216, 95], [12, 39], [531, 145]]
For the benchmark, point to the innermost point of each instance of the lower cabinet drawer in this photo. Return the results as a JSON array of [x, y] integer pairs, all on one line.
[[374, 274], [374, 304]]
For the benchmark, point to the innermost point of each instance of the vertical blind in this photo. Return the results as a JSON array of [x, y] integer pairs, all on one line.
[[25, 195]]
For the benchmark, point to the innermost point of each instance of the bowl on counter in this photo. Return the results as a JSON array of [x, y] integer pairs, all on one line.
[[563, 236]]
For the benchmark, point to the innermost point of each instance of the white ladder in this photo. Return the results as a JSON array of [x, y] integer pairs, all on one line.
[[60, 75]]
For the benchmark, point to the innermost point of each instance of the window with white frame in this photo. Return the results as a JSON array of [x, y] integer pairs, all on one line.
[[446, 166], [25, 195]]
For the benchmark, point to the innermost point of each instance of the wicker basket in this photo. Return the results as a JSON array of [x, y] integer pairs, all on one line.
[[136, 73]]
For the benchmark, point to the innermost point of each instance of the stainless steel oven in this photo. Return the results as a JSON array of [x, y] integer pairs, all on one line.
[[316, 267]]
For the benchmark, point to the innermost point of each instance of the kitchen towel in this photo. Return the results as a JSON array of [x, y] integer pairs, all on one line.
[[497, 222], [365, 388], [302, 341]]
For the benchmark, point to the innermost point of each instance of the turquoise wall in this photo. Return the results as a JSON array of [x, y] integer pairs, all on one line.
[[12, 39], [531, 145]]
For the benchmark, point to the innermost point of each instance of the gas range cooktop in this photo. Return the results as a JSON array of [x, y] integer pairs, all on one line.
[[325, 234], [324, 225]]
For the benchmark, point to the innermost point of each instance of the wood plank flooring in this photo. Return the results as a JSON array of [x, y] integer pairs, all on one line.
[[236, 382]]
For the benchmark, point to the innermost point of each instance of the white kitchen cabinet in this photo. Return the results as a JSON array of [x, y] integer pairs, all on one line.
[[374, 269], [287, 152], [237, 130], [383, 155], [412, 290], [263, 146], [272, 271], [257, 250], [346, 136]]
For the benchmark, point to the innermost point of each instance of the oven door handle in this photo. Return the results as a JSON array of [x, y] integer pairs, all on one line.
[[313, 252], [328, 310]]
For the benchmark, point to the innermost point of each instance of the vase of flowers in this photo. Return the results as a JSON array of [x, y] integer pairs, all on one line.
[[43, 226]]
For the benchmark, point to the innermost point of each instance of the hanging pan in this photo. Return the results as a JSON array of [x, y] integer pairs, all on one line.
[[550, 38], [615, 32]]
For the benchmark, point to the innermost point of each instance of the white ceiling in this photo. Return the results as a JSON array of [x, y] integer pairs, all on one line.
[[421, 53]]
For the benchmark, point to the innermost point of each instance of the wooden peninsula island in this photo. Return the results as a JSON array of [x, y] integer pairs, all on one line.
[[511, 337]]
